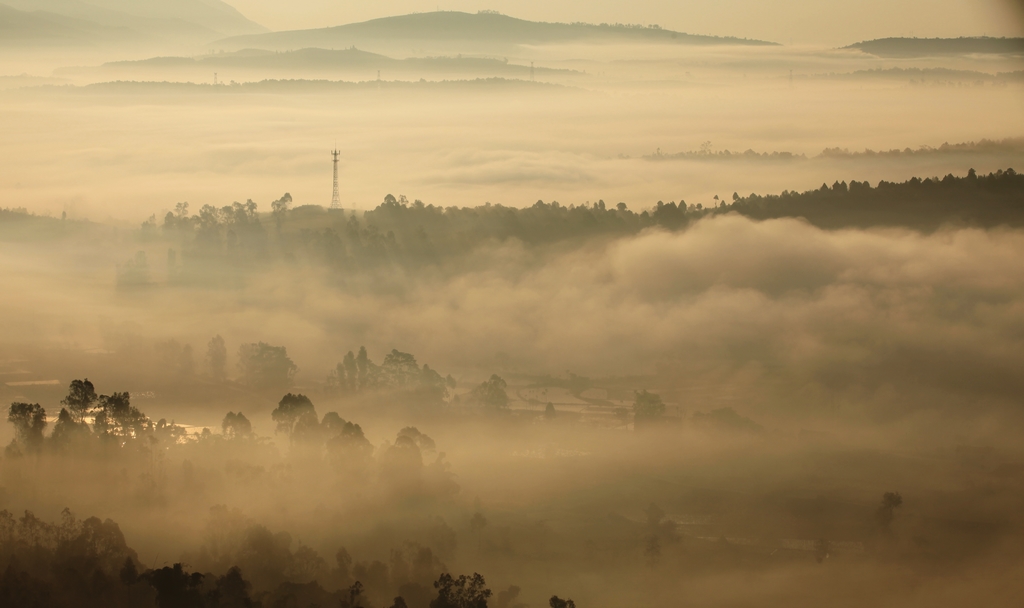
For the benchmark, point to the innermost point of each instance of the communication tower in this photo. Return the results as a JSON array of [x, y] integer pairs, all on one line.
[[335, 197]]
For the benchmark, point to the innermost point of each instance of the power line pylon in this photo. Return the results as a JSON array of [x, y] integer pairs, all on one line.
[[335, 197]]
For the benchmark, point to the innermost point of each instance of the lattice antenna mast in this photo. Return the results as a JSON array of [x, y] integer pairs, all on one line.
[[335, 197]]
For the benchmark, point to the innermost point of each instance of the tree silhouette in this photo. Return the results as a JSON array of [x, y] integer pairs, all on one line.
[[29, 420], [886, 511], [176, 588], [117, 417], [399, 368], [462, 592], [236, 426], [129, 573], [232, 590], [491, 392], [354, 596], [293, 411], [399, 371], [81, 398], [279, 208], [265, 366]]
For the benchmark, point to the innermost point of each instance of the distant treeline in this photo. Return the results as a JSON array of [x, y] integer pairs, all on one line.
[[922, 47], [426, 232], [705, 153], [983, 201], [983, 146], [398, 233], [221, 245], [306, 86], [1013, 145], [18, 224]]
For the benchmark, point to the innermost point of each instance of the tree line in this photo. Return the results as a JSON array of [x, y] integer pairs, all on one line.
[[399, 233]]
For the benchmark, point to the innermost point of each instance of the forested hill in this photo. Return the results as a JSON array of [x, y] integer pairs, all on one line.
[[216, 244], [404, 234], [928, 47], [982, 201]]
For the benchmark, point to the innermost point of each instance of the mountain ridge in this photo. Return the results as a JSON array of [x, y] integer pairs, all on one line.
[[480, 28], [101, 23]]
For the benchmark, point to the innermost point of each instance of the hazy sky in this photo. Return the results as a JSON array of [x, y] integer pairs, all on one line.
[[829, 22]]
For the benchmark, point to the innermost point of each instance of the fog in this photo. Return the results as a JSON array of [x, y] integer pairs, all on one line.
[[605, 316]]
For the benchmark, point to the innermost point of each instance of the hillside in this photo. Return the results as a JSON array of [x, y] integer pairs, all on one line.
[[107, 22], [41, 28], [927, 47], [350, 63], [481, 29]]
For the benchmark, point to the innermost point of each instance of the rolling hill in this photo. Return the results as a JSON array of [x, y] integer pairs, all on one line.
[[457, 29], [42, 28], [111, 22]]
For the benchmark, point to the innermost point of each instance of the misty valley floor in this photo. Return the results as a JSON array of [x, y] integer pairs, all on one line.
[[606, 315]]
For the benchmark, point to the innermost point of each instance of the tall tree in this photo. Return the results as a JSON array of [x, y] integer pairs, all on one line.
[[81, 397], [366, 371], [887, 510], [119, 418], [399, 369], [236, 426], [265, 366], [491, 392], [293, 411], [29, 420]]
